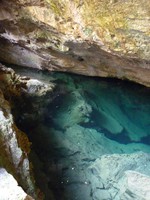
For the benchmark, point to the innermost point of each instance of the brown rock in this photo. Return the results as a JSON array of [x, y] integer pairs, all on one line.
[[97, 38]]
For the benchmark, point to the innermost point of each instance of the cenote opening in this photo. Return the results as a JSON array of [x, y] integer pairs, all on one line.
[[75, 123]]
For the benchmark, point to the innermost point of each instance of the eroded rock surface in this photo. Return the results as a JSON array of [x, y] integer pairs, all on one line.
[[15, 145], [70, 125], [99, 38], [121, 177], [8, 183], [134, 186]]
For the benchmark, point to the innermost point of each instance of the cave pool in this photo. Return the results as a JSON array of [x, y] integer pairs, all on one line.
[[87, 118]]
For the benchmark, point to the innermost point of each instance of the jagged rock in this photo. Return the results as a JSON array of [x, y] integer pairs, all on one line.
[[15, 144], [69, 150], [99, 38], [9, 188], [124, 176], [36, 87], [78, 111], [134, 185]]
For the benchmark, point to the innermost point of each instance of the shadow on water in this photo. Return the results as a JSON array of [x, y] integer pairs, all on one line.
[[44, 154], [59, 129]]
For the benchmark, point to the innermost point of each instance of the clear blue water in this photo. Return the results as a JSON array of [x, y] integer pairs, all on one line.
[[81, 120]]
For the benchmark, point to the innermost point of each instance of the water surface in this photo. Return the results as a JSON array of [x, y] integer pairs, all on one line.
[[87, 118]]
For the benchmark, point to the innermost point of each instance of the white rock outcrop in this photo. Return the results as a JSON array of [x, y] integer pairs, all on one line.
[[9, 188]]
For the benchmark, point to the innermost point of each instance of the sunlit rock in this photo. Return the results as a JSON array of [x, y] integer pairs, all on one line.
[[9, 188], [15, 144], [99, 38]]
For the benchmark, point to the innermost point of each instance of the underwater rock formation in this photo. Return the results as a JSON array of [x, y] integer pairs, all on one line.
[[121, 177], [78, 111], [77, 155], [105, 38]]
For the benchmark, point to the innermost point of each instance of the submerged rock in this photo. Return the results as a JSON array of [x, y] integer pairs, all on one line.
[[84, 136], [73, 110], [108, 122], [134, 185], [124, 176], [38, 88]]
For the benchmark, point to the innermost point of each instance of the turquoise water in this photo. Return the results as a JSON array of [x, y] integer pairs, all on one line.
[[81, 120]]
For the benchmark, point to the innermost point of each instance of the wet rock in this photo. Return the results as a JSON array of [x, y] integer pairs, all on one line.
[[36, 94], [117, 115], [77, 159], [38, 88], [100, 194], [78, 111], [134, 185], [121, 176], [108, 122]]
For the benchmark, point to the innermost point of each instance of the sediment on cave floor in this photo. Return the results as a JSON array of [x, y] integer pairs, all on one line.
[[82, 126]]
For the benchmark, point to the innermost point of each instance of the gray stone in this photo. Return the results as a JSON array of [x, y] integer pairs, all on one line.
[[9, 189], [113, 41], [38, 88], [133, 186], [124, 176]]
